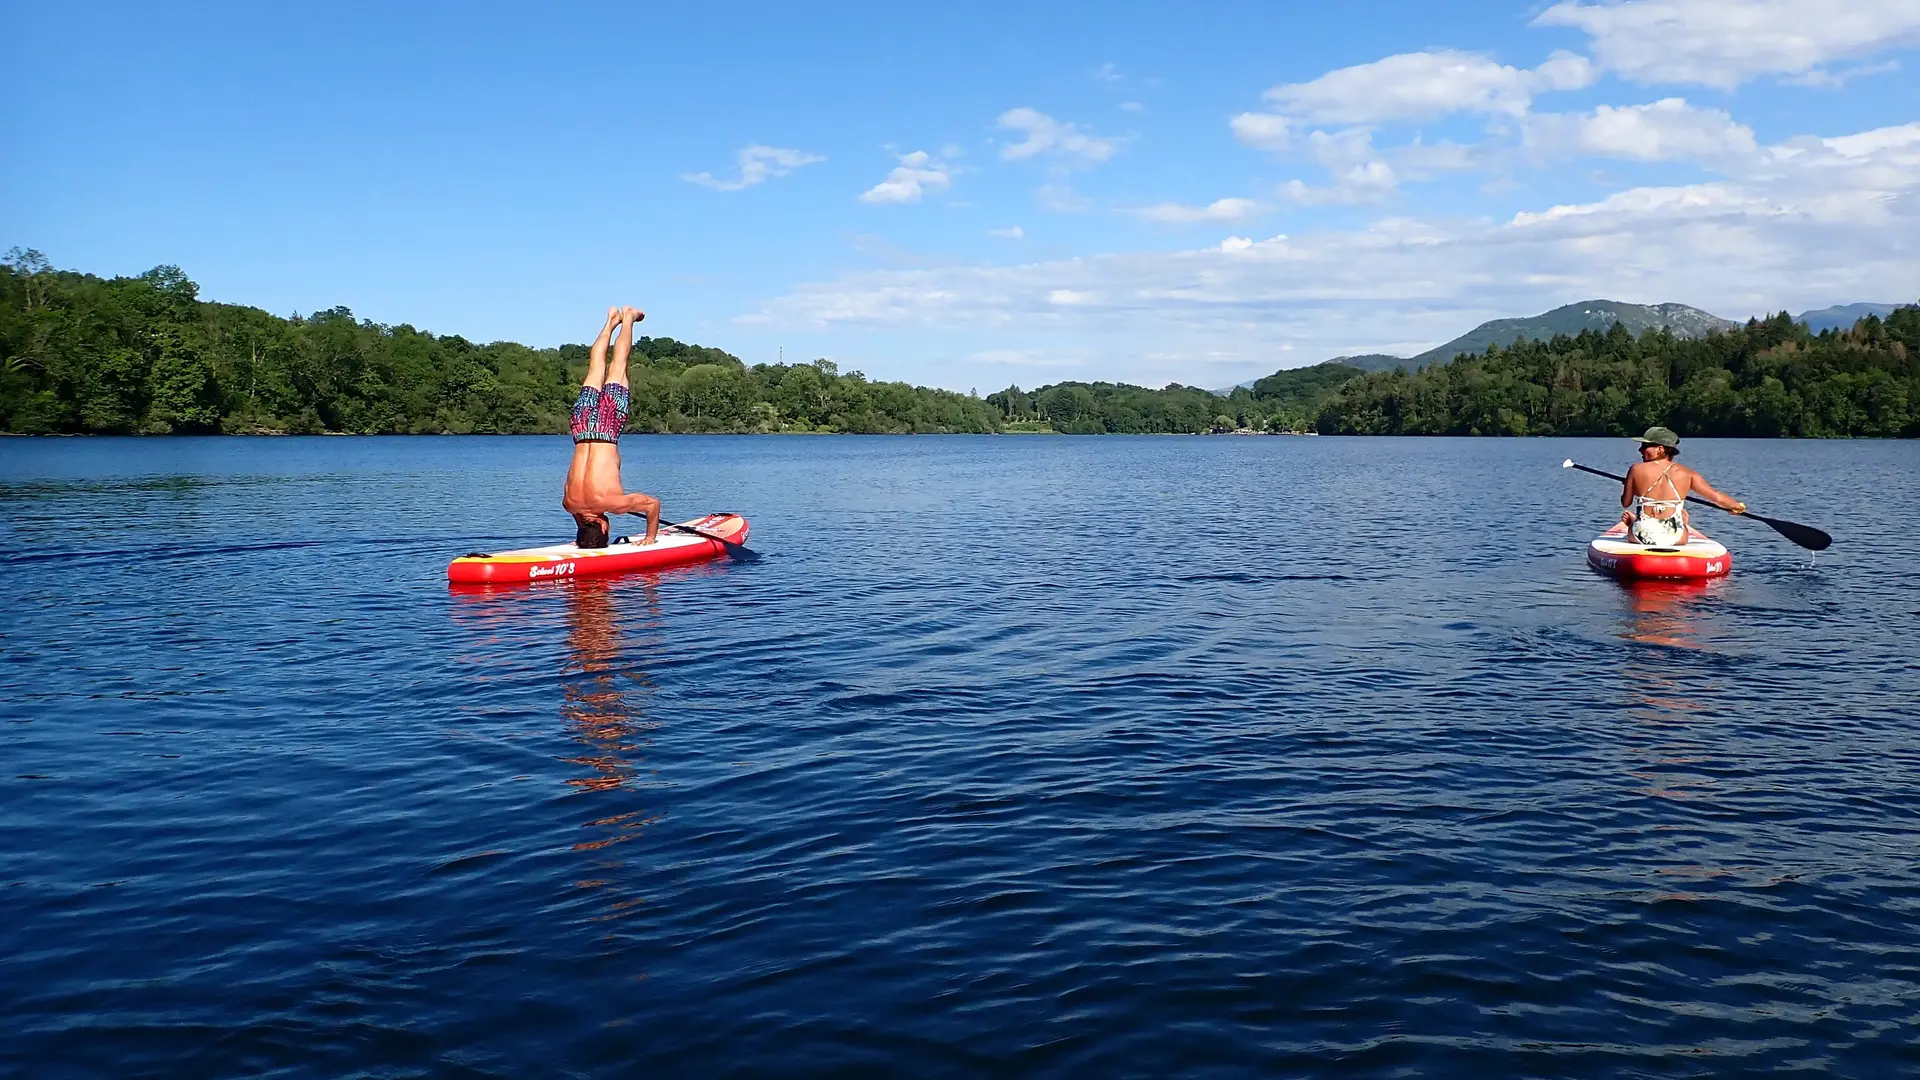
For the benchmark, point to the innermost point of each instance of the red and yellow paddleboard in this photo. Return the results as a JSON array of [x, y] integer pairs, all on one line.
[[671, 548], [1699, 558]]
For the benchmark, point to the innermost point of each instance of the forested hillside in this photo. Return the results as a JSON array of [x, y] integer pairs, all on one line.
[[1770, 377], [144, 354]]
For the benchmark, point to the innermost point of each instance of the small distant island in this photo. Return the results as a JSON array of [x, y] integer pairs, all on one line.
[[81, 354]]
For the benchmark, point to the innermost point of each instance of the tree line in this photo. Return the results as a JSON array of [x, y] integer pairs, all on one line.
[[83, 354], [1772, 377], [1285, 401]]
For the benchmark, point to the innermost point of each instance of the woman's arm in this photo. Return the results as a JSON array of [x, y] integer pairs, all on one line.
[[1724, 502]]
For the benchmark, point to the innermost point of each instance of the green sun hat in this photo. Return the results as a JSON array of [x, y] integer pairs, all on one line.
[[1659, 436]]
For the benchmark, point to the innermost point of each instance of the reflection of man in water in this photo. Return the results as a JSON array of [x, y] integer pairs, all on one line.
[[593, 478], [593, 694], [603, 694]]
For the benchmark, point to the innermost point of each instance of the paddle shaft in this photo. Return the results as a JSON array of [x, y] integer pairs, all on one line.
[[1804, 535], [1690, 498], [733, 550]]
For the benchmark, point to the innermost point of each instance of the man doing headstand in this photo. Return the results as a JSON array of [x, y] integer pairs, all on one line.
[[593, 488]]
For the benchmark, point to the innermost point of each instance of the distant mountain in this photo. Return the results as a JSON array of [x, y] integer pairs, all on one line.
[[1370, 361], [1843, 316], [1684, 321]]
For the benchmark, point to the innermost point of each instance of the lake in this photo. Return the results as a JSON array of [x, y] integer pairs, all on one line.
[[1017, 756]]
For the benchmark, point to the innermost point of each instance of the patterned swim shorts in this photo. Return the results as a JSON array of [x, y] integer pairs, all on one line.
[[600, 413]]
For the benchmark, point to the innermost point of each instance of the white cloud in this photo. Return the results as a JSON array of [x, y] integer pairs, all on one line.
[[1045, 135], [757, 165], [918, 174], [1060, 198], [1821, 79], [1666, 130], [1864, 144], [1041, 358], [1421, 86], [1267, 131], [1723, 43], [1217, 210], [1109, 75], [1358, 172], [1133, 106], [1366, 182], [1011, 232], [1341, 149], [1810, 218], [1408, 87], [1420, 160]]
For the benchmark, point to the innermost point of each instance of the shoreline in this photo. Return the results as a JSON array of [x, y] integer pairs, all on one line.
[[922, 435], [637, 434]]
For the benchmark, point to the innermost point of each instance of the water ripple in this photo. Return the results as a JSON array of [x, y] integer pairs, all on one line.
[[980, 771]]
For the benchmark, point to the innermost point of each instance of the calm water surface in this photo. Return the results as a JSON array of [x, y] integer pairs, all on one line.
[[1014, 756]]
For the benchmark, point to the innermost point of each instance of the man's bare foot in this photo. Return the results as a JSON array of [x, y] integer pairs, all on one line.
[[614, 314], [634, 314]]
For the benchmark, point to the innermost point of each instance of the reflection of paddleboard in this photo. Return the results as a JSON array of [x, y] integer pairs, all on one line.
[[671, 548], [1614, 552]]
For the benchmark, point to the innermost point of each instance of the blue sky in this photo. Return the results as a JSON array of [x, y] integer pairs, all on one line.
[[982, 194]]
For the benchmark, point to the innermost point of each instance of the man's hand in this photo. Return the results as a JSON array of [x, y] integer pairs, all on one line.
[[1738, 507]]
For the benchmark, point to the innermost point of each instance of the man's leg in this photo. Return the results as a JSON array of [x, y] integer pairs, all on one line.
[[623, 345], [615, 399], [585, 417], [578, 493], [597, 358]]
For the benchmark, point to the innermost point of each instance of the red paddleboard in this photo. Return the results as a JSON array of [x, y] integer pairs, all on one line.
[[1614, 552], [670, 548]]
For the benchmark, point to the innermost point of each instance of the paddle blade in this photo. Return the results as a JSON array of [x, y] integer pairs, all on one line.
[[1805, 535], [738, 553]]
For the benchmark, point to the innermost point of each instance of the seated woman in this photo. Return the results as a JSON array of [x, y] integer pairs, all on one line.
[[593, 488], [1655, 494]]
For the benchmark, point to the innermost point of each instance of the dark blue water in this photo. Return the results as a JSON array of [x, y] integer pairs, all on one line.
[[1014, 756]]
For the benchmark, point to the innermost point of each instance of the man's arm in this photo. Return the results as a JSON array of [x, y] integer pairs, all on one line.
[[639, 504]]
